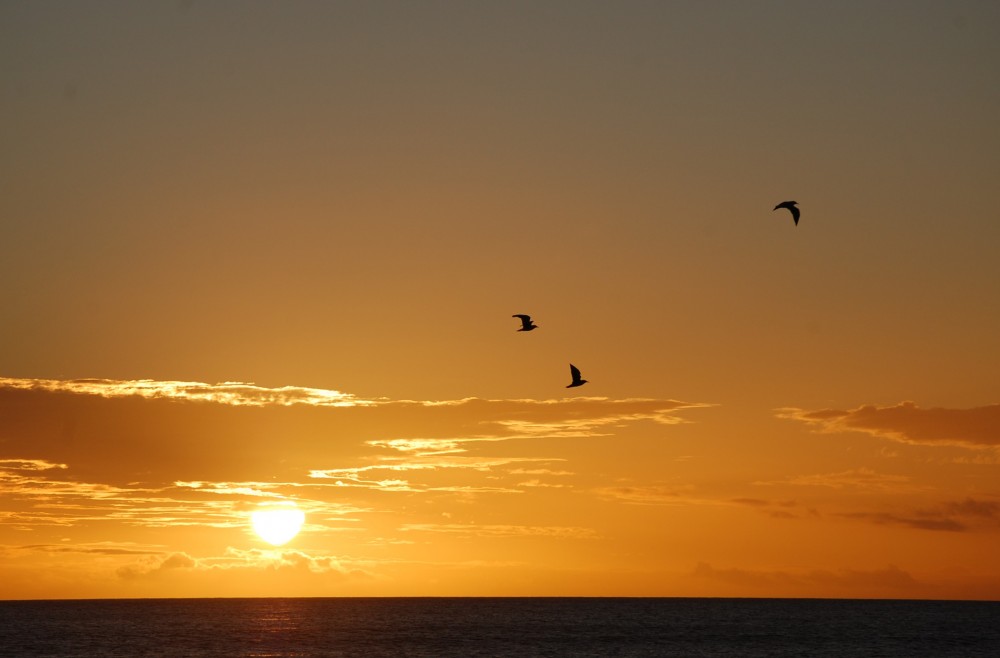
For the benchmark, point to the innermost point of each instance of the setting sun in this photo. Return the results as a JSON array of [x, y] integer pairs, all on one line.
[[277, 525]]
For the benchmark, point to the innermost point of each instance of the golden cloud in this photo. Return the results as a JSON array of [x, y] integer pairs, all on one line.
[[233, 393], [976, 427]]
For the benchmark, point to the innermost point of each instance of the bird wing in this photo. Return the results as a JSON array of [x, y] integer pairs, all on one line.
[[524, 318], [574, 372], [790, 205]]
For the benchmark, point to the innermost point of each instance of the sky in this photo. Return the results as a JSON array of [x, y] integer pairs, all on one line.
[[264, 255]]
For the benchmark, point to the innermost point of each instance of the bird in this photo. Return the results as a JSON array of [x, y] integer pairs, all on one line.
[[526, 323], [791, 208], [577, 380]]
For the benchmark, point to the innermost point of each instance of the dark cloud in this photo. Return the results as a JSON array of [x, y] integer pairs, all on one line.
[[950, 516], [987, 509], [777, 509], [916, 522]]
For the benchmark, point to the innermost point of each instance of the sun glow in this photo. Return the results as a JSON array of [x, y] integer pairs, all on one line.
[[277, 525]]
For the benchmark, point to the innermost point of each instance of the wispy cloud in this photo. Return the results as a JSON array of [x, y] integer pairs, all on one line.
[[538, 471], [778, 509], [859, 478], [976, 427], [400, 485], [476, 530], [538, 484], [587, 416], [554, 415], [643, 494], [28, 465], [233, 393], [95, 548], [429, 464], [658, 494]]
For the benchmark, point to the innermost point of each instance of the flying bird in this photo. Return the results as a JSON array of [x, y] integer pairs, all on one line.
[[577, 379], [791, 208], [526, 323]]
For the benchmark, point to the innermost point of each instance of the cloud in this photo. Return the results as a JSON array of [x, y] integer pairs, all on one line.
[[148, 567], [916, 522], [643, 494], [476, 530], [235, 488], [752, 502], [490, 421], [577, 417], [235, 560], [657, 494], [352, 476], [95, 548], [36, 500], [539, 471], [661, 494], [557, 415], [950, 516], [759, 503], [28, 465], [860, 478], [986, 509], [976, 427], [424, 464], [233, 393], [538, 484], [778, 509], [128, 430], [427, 447], [169, 454]]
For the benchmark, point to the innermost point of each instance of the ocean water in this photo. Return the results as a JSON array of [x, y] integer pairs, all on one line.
[[469, 627]]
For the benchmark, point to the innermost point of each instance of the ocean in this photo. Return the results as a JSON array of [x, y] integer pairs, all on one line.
[[522, 627]]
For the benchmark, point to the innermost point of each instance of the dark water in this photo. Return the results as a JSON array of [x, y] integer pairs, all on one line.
[[499, 627]]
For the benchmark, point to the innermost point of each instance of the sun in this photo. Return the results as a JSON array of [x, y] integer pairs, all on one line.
[[278, 523]]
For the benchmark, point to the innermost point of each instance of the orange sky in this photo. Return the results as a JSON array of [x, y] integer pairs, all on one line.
[[259, 252]]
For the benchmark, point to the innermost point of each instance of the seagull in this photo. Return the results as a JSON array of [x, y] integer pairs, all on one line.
[[526, 323], [577, 380], [791, 208]]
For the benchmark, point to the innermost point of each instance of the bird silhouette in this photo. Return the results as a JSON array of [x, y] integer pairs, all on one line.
[[791, 208], [577, 380], [526, 323]]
